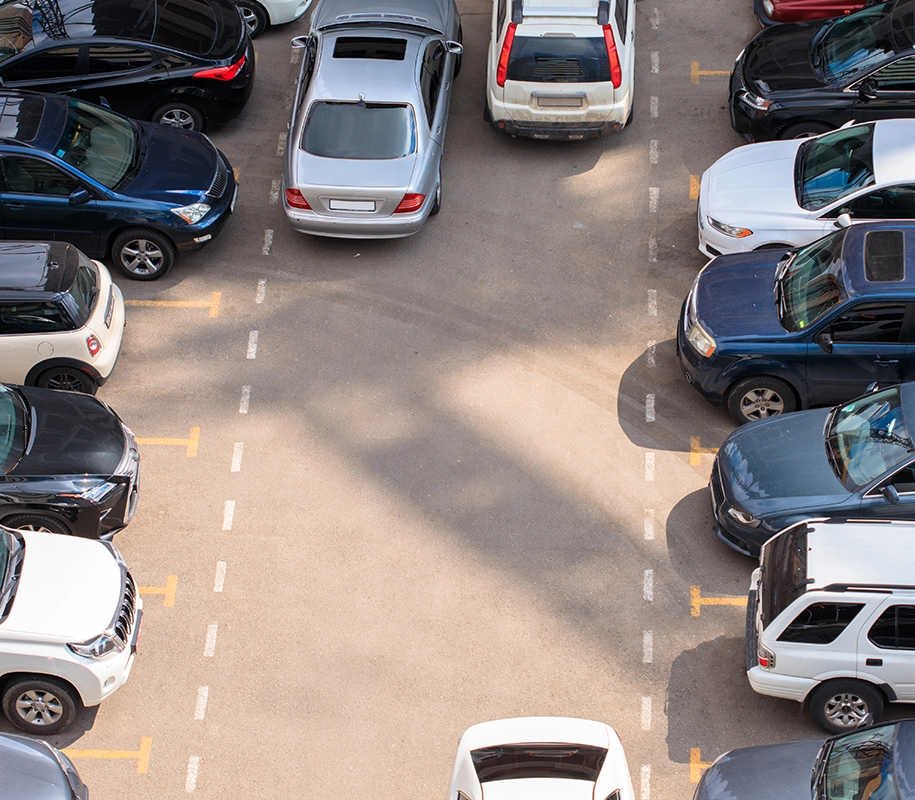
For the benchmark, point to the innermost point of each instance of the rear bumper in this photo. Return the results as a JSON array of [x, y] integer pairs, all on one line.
[[787, 687], [557, 130], [395, 226], [555, 123]]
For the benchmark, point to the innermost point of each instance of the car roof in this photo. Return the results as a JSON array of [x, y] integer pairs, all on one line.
[[37, 267], [856, 274], [531, 730], [431, 14], [894, 151]]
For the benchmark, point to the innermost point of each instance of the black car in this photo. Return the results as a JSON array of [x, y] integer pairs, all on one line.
[[855, 461], [108, 184], [30, 769], [804, 78], [768, 332], [188, 63], [874, 763], [67, 463]]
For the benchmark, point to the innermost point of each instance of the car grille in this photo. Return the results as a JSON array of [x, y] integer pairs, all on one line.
[[715, 487], [218, 187], [127, 617]]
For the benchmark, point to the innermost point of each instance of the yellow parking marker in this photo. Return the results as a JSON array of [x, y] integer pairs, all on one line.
[[212, 303], [693, 187], [696, 451], [141, 755], [696, 765], [235, 170], [191, 442], [171, 586], [695, 73], [696, 601]]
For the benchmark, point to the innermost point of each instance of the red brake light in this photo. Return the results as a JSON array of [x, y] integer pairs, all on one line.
[[763, 662], [503, 57], [295, 199], [410, 202], [616, 72], [222, 73], [93, 344]]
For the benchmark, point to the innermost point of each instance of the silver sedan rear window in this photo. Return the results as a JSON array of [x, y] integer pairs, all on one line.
[[359, 130]]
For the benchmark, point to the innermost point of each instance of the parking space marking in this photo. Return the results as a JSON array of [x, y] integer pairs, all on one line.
[[281, 144], [268, 242], [696, 765], [209, 649], [212, 303], [220, 581], [695, 73], [650, 353], [245, 402], [646, 713], [653, 153], [694, 187], [645, 788], [294, 55], [655, 62], [647, 647], [193, 767], [649, 408], [261, 292], [228, 514], [653, 194], [652, 248], [696, 451], [648, 585], [274, 192], [655, 19], [649, 524], [252, 344], [696, 601], [649, 466], [652, 302], [653, 107], [190, 443], [200, 707], [237, 452], [167, 591], [141, 755]]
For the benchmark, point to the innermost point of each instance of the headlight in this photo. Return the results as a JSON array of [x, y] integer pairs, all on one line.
[[729, 230], [192, 213], [743, 517], [98, 647], [754, 101], [99, 493], [701, 340]]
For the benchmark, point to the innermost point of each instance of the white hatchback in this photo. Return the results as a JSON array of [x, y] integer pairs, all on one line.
[[61, 317], [789, 193]]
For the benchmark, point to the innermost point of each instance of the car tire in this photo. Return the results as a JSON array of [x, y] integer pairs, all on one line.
[[487, 114], [254, 15], [842, 705], [143, 254], [40, 705], [437, 200], [179, 115], [36, 521], [760, 397], [801, 130], [68, 379]]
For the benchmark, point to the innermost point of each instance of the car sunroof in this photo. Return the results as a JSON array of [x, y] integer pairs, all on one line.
[[884, 256], [370, 47]]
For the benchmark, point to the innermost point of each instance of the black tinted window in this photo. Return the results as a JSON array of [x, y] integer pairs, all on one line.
[[577, 762], [59, 63], [892, 202], [114, 58], [895, 628], [622, 17], [187, 25], [31, 318], [548, 59], [869, 323], [431, 76], [820, 623], [30, 176], [896, 77], [370, 47]]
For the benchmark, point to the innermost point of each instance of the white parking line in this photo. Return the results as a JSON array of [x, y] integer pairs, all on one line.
[[655, 19], [274, 192], [653, 154], [649, 524], [281, 144], [200, 710], [193, 766], [649, 466], [653, 107], [227, 515], [252, 344], [653, 194], [646, 713], [220, 580], [261, 292], [268, 242], [648, 585], [236, 456], [655, 62], [652, 302], [647, 646], [645, 793], [209, 649], [653, 249], [245, 402], [649, 408], [650, 353], [294, 55]]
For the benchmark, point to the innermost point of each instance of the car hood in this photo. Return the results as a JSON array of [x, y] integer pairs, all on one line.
[[30, 771], [735, 298], [780, 464], [538, 789], [75, 435], [69, 588], [178, 166], [779, 59], [770, 772]]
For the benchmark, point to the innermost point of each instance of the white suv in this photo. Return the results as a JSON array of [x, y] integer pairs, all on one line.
[[69, 622], [560, 69], [258, 14], [831, 619]]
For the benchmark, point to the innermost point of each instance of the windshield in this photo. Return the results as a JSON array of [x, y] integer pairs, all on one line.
[[576, 762], [867, 438], [854, 43], [783, 561], [834, 165], [359, 130], [12, 429], [861, 765], [810, 283], [84, 290], [98, 142]]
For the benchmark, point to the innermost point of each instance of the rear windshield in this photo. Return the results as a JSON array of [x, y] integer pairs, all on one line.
[[577, 762], [187, 25], [784, 572], [359, 131], [554, 59]]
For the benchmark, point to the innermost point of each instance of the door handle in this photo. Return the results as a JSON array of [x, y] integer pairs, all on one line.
[[873, 662], [885, 362], [16, 206]]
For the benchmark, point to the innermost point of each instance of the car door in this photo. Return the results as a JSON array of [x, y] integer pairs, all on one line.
[[57, 69], [36, 199], [886, 647], [28, 331], [124, 77], [888, 92], [874, 503]]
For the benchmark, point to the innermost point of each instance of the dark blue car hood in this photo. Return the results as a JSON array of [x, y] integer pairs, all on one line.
[[173, 158], [780, 465], [735, 296]]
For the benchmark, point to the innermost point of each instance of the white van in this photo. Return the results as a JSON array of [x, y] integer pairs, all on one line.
[[831, 619]]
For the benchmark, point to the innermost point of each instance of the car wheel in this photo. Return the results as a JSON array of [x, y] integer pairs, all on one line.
[[142, 254], [40, 705], [437, 200], [487, 114], [254, 15], [801, 130], [760, 397], [68, 379], [843, 705], [36, 521], [179, 115]]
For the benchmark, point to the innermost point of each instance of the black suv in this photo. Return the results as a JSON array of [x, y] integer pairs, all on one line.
[[188, 63]]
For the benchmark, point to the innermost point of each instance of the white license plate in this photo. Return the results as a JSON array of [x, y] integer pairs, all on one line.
[[559, 102], [352, 205], [234, 198]]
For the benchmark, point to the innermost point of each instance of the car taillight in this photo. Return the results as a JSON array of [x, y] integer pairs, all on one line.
[[766, 657], [222, 73], [410, 202], [295, 199], [93, 344], [503, 57], [616, 72]]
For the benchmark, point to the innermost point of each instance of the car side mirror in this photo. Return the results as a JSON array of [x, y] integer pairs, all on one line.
[[80, 196], [890, 494], [824, 340], [455, 48], [299, 42], [867, 91], [844, 220]]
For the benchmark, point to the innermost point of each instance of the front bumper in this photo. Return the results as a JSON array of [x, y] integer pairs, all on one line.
[[697, 370], [742, 538], [193, 237]]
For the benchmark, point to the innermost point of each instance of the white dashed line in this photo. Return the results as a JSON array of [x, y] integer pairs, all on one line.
[[200, 710], [652, 302], [645, 793], [646, 713], [653, 107], [649, 466], [655, 19], [294, 55], [193, 767], [268, 242], [281, 144], [650, 353], [647, 647], [220, 579], [227, 515], [209, 649], [652, 249], [653, 194], [649, 408], [274, 192], [655, 61], [245, 403], [649, 524], [236, 456], [261, 292], [252, 344], [648, 585], [653, 154]]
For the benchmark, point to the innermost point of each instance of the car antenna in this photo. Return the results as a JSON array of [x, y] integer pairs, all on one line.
[[361, 99]]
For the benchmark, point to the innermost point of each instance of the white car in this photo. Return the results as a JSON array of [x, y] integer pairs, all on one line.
[[789, 193], [258, 14], [61, 317], [540, 758]]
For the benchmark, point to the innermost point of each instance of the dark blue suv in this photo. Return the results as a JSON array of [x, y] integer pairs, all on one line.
[[108, 184], [768, 332]]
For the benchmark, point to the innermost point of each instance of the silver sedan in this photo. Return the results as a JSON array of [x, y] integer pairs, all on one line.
[[369, 117]]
